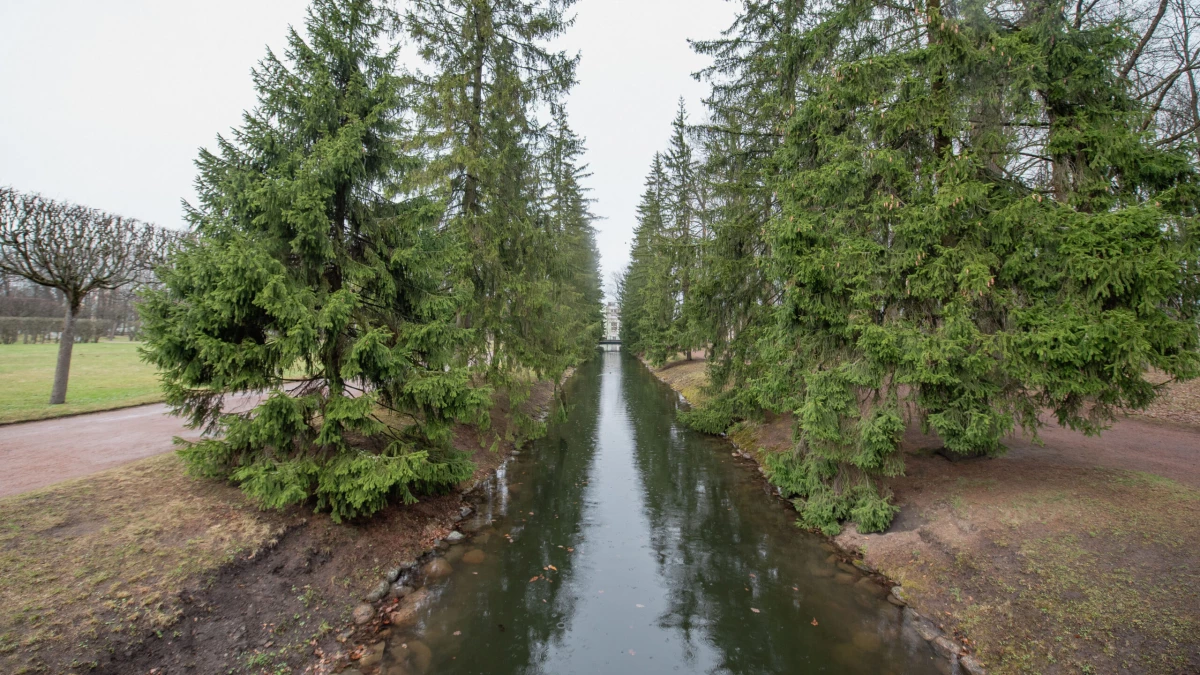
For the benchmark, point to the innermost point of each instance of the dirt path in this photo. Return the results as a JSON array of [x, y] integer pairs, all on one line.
[[37, 454], [1132, 444]]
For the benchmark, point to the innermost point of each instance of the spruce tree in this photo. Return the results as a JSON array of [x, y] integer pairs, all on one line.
[[491, 75], [754, 78], [650, 289], [685, 232], [930, 269], [659, 316], [317, 276]]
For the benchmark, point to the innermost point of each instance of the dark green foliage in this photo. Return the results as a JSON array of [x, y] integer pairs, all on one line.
[[316, 277], [511, 181], [659, 315], [960, 219], [754, 76], [921, 271]]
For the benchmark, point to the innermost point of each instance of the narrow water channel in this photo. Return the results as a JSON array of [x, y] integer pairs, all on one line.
[[624, 543]]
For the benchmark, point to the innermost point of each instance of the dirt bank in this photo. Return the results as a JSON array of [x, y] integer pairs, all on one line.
[[1079, 556], [143, 569]]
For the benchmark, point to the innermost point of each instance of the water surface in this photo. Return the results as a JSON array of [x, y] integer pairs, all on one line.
[[624, 543]]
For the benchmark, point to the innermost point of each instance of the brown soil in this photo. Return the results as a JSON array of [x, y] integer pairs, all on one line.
[[282, 608], [1076, 556]]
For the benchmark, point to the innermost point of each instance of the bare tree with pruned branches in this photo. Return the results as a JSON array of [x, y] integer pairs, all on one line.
[[76, 250]]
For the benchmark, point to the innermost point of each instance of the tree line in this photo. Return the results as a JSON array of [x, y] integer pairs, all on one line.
[[115, 309], [977, 217], [384, 251]]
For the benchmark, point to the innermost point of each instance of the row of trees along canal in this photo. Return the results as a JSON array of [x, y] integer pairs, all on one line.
[[381, 250], [968, 214]]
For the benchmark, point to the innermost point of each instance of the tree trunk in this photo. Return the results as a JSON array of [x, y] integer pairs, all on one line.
[[940, 140], [66, 343], [475, 122]]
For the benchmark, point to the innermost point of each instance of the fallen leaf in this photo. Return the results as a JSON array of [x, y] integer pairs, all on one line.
[[458, 632], [533, 580], [552, 567], [814, 621], [756, 611]]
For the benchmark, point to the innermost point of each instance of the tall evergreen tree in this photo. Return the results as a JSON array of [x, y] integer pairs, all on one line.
[[649, 300], [659, 320], [491, 73], [755, 78], [317, 276], [499, 167], [928, 268], [950, 215]]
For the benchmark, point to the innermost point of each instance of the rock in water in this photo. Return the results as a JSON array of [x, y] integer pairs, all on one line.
[[401, 590], [373, 656], [404, 617], [455, 537], [416, 598], [438, 568], [363, 613], [414, 653], [473, 557]]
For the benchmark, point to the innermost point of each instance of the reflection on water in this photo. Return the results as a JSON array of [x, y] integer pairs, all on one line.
[[623, 542]]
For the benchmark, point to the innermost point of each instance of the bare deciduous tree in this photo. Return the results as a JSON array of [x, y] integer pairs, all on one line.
[[76, 250]]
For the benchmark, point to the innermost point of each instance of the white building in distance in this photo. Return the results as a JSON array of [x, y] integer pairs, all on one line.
[[612, 322]]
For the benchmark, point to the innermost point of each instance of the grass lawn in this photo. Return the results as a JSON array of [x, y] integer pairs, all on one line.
[[104, 375]]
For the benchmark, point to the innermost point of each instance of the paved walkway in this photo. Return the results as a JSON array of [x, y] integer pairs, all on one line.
[[37, 454]]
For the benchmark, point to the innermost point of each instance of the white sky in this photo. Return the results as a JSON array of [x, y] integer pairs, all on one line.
[[106, 103]]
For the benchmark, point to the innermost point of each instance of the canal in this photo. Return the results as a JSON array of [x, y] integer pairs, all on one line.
[[624, 543]]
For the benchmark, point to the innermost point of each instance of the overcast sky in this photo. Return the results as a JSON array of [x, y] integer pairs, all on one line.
[[106, 103]]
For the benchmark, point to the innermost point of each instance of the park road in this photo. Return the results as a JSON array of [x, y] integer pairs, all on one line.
[[41, 453]]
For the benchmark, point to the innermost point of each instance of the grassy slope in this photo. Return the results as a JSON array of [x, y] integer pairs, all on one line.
[[1048, 569], [104, 375]]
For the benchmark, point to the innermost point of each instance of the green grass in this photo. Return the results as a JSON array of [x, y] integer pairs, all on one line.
[[104, 376]]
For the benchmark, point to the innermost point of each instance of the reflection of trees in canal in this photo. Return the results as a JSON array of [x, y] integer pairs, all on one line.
[[552, 487], [724, 550]]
